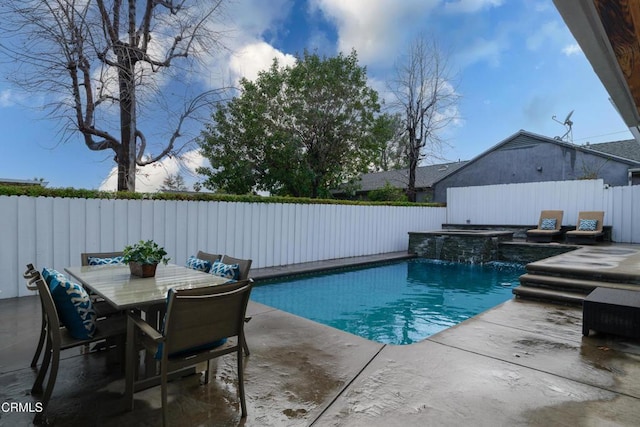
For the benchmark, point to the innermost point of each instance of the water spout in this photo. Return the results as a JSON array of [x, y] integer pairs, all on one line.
[[439, 245]]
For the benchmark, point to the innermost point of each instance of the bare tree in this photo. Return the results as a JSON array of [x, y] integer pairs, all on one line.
[[426, 99], [105, 63]]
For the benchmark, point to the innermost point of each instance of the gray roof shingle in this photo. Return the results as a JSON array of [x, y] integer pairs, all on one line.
[[426, 176], [627, 149]]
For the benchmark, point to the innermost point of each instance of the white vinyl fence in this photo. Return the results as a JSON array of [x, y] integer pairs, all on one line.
[[52, 232], [520, 204]]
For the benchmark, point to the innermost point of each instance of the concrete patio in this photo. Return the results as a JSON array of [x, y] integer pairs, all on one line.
[[521, 363]]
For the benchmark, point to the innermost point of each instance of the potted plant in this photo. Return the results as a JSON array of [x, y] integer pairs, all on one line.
[[143, 257]]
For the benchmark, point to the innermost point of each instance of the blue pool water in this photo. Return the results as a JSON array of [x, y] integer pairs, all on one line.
[[398, 303]]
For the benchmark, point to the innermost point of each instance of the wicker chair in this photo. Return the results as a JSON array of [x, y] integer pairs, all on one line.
[[208, 257]]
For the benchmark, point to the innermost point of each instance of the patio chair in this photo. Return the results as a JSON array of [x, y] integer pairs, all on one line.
[[588, 229], [196, 326], [100, 258], [58, 338], [43, 323], [245, 267], [208, 257], [549, 227], [102, 308]]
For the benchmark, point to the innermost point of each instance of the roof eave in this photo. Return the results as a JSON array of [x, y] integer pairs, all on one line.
[[585, 24]]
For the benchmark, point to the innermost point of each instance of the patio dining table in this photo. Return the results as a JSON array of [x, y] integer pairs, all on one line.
[[123, 291]]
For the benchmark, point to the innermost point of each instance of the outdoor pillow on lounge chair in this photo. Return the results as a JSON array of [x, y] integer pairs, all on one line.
[[549, 227], [588, 228]]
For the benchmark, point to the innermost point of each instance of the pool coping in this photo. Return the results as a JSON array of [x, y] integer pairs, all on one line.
[[282, 271]]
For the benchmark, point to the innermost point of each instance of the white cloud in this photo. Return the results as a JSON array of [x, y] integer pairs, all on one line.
[[7, 98], [374, 28], [549, 32], [572, 49], [482, 50], [255, 57], [470, 6], [150, 178]]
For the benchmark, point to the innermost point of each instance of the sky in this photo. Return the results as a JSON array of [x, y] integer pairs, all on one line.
[[514, 64]]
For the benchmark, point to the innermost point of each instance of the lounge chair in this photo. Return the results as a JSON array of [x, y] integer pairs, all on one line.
[[549, 227], [588, 229]]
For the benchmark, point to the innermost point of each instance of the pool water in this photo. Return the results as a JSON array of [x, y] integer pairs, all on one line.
[[399, 303]]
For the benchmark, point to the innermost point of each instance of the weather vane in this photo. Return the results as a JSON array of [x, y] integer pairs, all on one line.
[[568, 135]]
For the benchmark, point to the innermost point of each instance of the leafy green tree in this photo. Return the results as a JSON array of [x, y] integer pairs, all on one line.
[[173, 182], [390, 128], [387, 193], [297, 130]]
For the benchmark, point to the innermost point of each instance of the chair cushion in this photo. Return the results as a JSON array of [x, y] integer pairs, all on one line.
[[588, 225], [198, 264], [548, 224], [73, 305], [229, 271], [105, 261]]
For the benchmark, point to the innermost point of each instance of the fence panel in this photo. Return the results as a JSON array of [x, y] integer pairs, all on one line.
[[520, 204]]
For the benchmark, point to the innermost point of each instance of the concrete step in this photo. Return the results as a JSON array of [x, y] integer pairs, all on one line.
[[596, 275], [545, 294], [569, 283]]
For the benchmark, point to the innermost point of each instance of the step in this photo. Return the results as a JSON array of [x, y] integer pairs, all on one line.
[[583, 285], [600, 275], [543, 294]]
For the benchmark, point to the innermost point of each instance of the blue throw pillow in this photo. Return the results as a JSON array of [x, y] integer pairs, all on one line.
[[588, 225], [548, 224], [106, 261], [50, 273], [198, 264], [229, 271], [74, 307]]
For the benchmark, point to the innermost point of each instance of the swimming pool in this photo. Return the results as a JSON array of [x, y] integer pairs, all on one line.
[[399, 303]]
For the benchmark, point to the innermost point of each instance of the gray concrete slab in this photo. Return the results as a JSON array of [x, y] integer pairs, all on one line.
[[487, 373], [522, 363]]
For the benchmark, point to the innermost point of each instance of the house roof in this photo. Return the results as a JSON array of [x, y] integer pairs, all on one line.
[[612, 150], [426, 176], [10, 181], [627, 149]]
